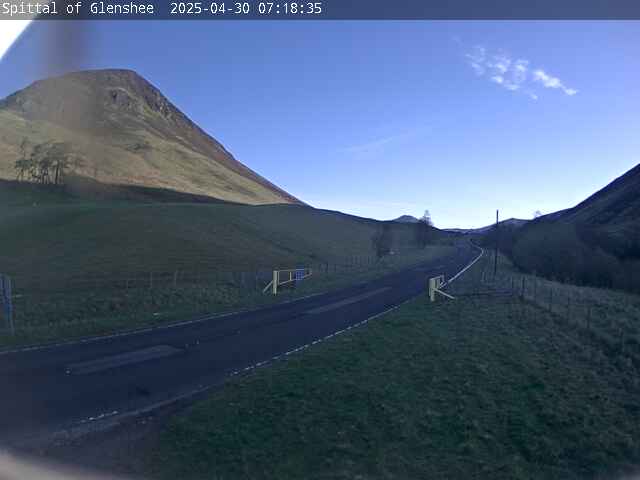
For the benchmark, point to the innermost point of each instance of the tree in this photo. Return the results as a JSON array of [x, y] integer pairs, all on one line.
[[423, 229], [383, 240], [61, 157], [47, 162], [426, 218], [22, 165], [537, 214]]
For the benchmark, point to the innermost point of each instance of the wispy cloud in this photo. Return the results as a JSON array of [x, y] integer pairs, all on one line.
[[552, 82], [513, 74], [379, 144]]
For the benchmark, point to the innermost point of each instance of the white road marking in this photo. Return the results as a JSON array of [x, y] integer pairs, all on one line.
[[31, 348], [122, 359], [346, 301]]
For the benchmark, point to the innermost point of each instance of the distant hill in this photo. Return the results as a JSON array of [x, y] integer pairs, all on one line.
[[406, 219], [595, 242], [510, 222], [128, 134]]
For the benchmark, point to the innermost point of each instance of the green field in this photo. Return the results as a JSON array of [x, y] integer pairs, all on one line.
[[85, 268], [486, 386], [608, 317], [52, 242]]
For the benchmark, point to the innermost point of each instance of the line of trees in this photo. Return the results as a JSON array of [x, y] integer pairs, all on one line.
[[46, 163]]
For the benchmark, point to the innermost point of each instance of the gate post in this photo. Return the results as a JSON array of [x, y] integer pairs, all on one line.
[[5, 290]]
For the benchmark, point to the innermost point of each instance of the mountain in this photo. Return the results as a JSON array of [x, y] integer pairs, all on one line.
[[610, 217], [406, 219], [128, 134], [510, 222], [596, 242]]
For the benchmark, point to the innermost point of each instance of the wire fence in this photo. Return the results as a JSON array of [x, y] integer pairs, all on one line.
[[249, 279], [93, 304], [608, 318], [47, 308]]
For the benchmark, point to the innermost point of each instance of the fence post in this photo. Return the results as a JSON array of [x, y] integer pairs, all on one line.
[[8, 306], [151, 280], [175, 279]]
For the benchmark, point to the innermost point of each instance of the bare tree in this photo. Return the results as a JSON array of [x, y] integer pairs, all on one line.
[[383, 240], [22, 167], [61, 158], [426, 218], [23, 163], [424, 230], [47, 163]]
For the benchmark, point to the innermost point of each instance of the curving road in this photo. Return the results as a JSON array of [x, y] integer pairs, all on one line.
[[55, 388]]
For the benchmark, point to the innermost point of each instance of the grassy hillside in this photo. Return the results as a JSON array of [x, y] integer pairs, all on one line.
[[610, 218], [57, 241], [486, 386], [597, 242], [127, 133], [83, 268]]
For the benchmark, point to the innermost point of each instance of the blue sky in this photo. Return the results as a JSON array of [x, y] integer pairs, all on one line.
[[381, 119]]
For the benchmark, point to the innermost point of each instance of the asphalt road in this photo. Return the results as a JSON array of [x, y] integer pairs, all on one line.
[[55, 388]]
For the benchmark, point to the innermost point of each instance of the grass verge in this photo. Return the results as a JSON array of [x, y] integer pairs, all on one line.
[[485, 386]]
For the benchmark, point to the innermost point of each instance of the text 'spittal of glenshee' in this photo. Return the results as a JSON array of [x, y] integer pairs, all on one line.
[[21, 9]]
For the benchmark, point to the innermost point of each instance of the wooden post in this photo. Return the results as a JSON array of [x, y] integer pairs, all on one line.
[[274, 283], [175, 279], [7, 302]]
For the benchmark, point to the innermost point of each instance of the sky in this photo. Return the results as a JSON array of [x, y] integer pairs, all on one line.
[[382, 119]]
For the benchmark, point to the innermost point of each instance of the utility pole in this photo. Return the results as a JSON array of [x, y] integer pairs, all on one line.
[[495, 257]]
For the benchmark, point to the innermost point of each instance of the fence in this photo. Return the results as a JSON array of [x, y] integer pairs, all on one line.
[[287, 277], [248, 279], [56, 307], [607, 317]]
